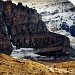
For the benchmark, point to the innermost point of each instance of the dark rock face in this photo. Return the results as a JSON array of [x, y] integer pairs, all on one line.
[[5, 46], [72, 30], [23, 27]]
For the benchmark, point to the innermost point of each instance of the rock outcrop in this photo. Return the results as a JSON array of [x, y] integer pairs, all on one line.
[[24, 27], [5, 45]]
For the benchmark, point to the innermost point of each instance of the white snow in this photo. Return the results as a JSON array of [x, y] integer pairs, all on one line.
[[73, 1], [22, 52]]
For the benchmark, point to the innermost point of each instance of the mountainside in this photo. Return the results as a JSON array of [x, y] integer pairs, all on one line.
[[11, 66], [16, 22], [24, 28], [54, 12]]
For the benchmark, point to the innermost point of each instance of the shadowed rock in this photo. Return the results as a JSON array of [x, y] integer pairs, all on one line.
[[5, 45]]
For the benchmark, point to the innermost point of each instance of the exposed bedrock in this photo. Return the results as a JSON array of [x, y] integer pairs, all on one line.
[[24, 27], [5, 45]]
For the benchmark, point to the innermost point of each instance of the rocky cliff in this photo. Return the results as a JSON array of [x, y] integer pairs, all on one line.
[[24, 27], [5, 46]]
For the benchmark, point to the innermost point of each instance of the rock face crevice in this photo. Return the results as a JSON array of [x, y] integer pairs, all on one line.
[[24, 27]]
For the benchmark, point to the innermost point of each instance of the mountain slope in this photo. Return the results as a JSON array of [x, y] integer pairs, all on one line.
[[11, 66]]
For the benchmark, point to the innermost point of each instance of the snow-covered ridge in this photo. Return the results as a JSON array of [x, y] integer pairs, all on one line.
[[53, 12]]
